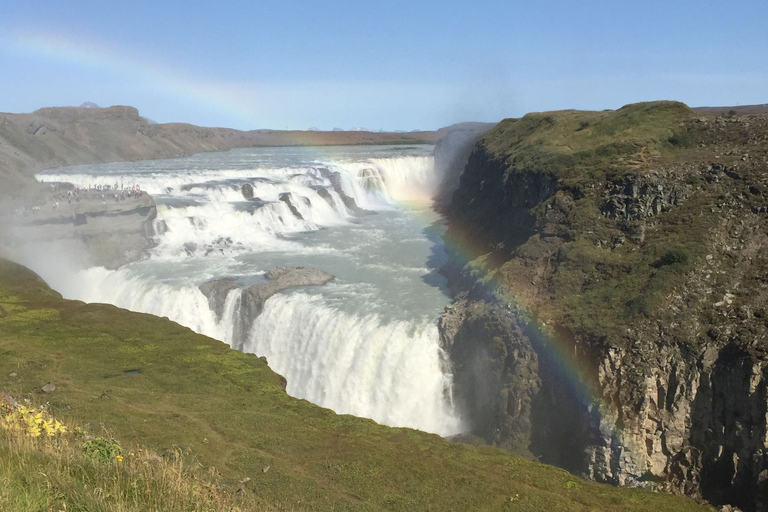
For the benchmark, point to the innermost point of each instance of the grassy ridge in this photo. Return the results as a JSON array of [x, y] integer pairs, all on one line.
[[576, 266], [582, 147], [194, 394]]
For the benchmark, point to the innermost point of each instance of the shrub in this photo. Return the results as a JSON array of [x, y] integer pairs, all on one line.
[[675, 256], [101, 449], [681, 139], [30, 422]]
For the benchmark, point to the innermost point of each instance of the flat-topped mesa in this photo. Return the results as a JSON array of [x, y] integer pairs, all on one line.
[[72, 113], [252, 298]]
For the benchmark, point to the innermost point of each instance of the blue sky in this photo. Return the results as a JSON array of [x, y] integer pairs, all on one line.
[[391, 65]]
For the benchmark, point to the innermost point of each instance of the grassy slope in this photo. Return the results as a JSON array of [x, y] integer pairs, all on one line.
[[581, 145], [230, 410], [56, 473], [566, 272]]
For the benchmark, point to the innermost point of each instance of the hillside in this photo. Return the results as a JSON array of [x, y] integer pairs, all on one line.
[[610, 274], [150, 381], [54, 137]]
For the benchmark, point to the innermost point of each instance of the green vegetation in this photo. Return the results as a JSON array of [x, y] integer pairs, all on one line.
[[579, 146], [69, 469], [594, 276], [101, 449], [227, 410]]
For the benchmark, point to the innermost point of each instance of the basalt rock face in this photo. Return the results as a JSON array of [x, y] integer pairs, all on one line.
[[495, 368], [614, 317], [637, 198]]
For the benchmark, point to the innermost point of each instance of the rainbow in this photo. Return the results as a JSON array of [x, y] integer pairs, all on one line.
[[572, 370], [237, 101]]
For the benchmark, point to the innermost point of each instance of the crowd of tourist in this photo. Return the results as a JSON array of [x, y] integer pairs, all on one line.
[[104, 192]]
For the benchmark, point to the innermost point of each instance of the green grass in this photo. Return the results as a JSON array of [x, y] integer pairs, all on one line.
[[579, 146], [228, 410], [591, 284], [78, 472]]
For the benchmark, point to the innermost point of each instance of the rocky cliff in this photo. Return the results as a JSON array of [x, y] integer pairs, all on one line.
[[452, 151], [92, 228], [251, 299], [611, 316]]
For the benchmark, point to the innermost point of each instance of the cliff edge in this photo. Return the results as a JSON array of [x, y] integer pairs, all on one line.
[[612, 316]]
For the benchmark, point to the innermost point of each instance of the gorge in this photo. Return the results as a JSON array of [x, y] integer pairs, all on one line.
[[603, 279]]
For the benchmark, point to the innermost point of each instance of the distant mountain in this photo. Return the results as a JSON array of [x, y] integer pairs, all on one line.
[[313, 129], [89, 104], [338, 129], [736, 110]]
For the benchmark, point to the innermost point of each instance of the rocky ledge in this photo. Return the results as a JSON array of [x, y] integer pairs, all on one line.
[[99, 228], [253, 297]]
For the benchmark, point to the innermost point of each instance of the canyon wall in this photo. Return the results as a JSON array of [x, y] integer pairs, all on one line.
[[611, 317]]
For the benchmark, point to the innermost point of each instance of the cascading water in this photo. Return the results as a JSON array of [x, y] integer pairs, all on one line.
[[365, 343]]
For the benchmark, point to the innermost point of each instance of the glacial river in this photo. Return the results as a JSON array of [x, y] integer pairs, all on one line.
[[367, 342]]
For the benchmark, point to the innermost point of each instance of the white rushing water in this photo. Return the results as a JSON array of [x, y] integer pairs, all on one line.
[[365, 343]]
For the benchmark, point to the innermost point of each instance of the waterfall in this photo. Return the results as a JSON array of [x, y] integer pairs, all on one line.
[[360, 354]]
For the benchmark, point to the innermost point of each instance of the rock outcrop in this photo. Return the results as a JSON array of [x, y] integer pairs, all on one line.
[[614, 319], [99, 228], [349, 202], [253, 297]]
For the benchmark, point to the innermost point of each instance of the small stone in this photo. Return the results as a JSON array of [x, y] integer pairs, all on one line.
[[49, 388], [9, 400], [13, 374]]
